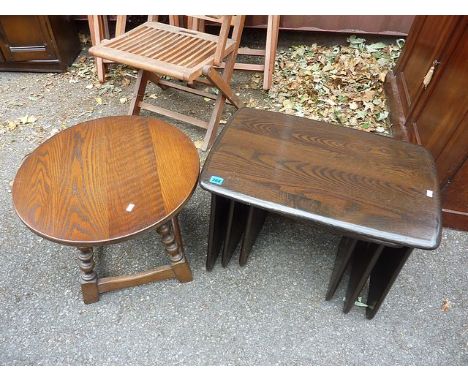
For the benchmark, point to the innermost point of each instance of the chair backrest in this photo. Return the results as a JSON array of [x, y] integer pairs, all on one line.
[[196, 22]]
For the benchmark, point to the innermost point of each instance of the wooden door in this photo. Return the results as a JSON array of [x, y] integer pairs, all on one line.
[[429, 104], [25, 38], [442, 110], [425, 44]]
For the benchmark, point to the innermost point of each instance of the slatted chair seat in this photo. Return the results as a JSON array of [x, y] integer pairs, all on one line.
[[164, 49], [189, 55]]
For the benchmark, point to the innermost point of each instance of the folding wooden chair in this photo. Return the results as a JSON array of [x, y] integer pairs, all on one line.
[[184, 54], [269, 53], [99, 30]]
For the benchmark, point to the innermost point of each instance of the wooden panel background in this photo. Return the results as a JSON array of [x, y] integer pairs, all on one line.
[[373, 24], [398, 25]]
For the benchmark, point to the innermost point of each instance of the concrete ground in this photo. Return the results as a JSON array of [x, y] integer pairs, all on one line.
[[271, 312]]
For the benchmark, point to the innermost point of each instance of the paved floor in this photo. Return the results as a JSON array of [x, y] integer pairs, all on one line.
[[271, 312]]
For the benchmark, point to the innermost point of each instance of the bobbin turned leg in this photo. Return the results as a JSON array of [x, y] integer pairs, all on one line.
[[88, 277], [179, 265]]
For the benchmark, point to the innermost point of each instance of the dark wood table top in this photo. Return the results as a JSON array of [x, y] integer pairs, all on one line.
[[360, 183], [105, 180]]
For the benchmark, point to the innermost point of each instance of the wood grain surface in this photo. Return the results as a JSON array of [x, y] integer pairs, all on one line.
[[360, 183], [105, 180]]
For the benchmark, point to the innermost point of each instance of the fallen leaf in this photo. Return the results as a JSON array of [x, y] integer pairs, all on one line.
[[445, 305], [287, 104], [153, 96], [198, 144], [353, 106], [27, 119], [11, 125], [99, 100], [90, 86], [123, 100], [359, 303], [383, 115]]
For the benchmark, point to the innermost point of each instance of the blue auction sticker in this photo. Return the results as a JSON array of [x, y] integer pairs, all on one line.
[[216, 180]]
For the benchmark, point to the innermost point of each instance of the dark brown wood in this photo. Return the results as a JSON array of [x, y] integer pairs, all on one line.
[[432, 33], [105, 181], [345, 250], [383, 275], [179, 264], [217, 229], [236, 220], [373, 24], [369, 185], [396, 115], [394, 25], [88, 278], [255, 219], [37, 43], [381, 192], [109, 284], [362, 263], [177, 232], [433, 113]]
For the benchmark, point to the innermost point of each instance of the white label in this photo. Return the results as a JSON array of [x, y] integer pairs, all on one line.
[[130, 207], [429, 193]]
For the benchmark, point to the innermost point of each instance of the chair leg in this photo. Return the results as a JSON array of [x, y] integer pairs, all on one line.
[[139, 93], [98, 27], [270, 51], [219, 104], [222, 85], [101, 69]]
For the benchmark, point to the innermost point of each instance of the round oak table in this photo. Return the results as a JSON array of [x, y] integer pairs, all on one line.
[[105, 181]]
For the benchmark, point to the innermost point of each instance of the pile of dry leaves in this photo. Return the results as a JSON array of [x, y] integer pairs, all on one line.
[[337, 84]]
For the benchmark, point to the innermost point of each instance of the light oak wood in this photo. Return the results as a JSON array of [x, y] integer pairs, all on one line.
[[269, 52], [184, 54], [105, 181], [99, 30], [217, 80]]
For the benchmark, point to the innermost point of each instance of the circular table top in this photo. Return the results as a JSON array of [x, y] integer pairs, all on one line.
[[105, 180]]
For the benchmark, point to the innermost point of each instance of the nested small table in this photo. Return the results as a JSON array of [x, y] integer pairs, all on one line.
[[381, 194], [105, 181]]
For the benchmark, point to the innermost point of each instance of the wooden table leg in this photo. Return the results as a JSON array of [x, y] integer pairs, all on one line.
[[255, 219], [343, 256], [88, 279], [237, 218], [362, 264], [179, 264], [217, 229], [383, 276], [177, 233]]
